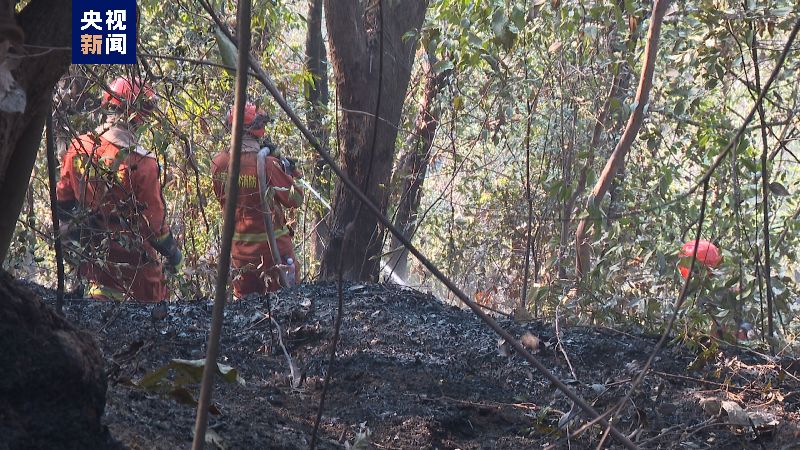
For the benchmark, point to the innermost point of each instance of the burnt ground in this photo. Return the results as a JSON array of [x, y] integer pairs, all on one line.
[[419, 374]]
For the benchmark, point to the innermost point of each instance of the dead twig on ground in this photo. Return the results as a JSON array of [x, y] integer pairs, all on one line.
[[675, 428], [561, 346], [334, 342], [719, 386], [568, 417], [293, 371], [481, 404]]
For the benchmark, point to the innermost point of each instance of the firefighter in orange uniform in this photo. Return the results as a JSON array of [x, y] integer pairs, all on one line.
[[254, 269], [110, 201]]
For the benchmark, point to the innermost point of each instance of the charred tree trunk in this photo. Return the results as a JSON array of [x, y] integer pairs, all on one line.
[[413, 167], [45, 23], [317, 97], [371, 56], [52, 393]]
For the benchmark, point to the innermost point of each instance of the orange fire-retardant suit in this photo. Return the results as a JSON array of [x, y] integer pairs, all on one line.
[[110, 191], [250, 253]]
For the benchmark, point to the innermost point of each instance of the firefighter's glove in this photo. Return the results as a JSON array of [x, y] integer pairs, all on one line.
[[174, 260], [167, 246]]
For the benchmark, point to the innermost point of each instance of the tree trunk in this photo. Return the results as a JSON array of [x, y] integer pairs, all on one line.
[[372, 58], [618, 182], [413, 167], [53, 388], [599, 127], [567, 163], [317, 98], [52, 394], [616, 159], [46, 23]]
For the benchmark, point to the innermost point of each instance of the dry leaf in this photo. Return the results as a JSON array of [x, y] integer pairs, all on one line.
[[736, 415], [502, 347], [531, 342], [711, 406]]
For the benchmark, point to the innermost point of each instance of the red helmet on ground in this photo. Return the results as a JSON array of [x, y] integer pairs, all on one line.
[[255, 119], [129, 93], [707, 254]]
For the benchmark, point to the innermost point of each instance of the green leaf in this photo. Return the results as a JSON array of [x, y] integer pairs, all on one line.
[[442, 66], [778, 189], [183, 396], [186, 372], [154, 378], [227, 49], [409, 35], [499, 22], [518, 17], [229, 374], [474, 40], [680, 107]]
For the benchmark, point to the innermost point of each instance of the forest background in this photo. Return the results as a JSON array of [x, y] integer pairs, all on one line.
[[511, 111]]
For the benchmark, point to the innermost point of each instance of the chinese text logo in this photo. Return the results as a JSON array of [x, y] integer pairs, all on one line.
[[104, 32]]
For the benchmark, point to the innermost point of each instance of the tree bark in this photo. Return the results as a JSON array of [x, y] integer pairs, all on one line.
[[583, 246], [46, 23], [413, 167], [52, 393], [367, 82], [317, 97]]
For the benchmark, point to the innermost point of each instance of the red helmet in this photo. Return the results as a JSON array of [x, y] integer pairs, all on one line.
[[707, 254], [127, 93], [255, 119]]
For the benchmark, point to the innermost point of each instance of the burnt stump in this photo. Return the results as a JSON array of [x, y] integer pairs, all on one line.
[[53, 383]]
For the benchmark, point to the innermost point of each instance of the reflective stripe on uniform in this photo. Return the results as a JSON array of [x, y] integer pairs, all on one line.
[[161, 239], [259, 237], [104, 291], [245, 181], [296, 195]]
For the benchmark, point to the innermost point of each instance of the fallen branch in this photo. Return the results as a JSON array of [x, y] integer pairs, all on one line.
[[719, 386], [293, 371]]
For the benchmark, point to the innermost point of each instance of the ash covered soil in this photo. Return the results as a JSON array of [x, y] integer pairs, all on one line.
[[418, 374]]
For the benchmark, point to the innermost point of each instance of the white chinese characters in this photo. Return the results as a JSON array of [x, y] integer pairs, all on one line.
[[115, 43], [115, 20], [100, 37], [91, 19]]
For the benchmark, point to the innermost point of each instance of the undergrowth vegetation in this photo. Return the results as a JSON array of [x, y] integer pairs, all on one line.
[[533, 97]]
